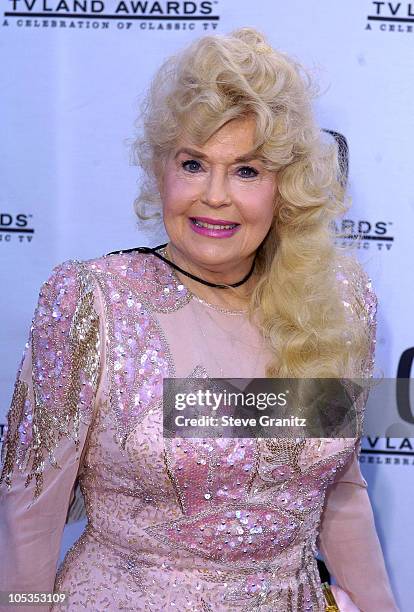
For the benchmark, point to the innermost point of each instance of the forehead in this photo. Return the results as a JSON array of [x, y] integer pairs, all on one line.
[[235, 139]]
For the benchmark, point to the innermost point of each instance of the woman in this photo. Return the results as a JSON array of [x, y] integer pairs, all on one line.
[[249, 284]]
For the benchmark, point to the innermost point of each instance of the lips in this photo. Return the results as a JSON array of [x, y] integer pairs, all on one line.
[[216, 221], [214, 224], [213, 228]]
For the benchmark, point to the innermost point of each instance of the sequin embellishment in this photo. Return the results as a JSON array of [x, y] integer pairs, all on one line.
[[64, 347], [15, 446], [193, 525]]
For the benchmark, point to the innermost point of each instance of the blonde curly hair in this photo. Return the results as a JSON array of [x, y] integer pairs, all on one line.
[[297, 299]]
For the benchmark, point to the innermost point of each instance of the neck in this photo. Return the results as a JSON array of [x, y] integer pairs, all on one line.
[[236, 298]]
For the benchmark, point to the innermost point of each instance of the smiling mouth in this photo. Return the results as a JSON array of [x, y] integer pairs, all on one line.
[[215, 226]]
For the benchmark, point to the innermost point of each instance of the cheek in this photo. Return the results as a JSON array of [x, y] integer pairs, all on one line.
[[177, 193], [257, 203]]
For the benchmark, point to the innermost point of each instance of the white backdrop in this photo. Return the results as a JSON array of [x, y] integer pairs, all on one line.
[[70, 83]]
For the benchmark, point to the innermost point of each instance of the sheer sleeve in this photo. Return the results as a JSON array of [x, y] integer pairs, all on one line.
[[348, 539], [47, 424]]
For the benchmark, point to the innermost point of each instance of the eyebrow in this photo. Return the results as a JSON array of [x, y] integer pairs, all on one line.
[[243, 158]]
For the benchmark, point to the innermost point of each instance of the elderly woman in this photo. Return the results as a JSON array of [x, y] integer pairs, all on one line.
[[249, 284]]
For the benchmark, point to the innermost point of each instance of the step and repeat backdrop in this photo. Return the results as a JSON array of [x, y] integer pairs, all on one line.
[[72, 74]]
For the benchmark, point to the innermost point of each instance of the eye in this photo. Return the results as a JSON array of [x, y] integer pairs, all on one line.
[[191, 165], [247, 172]]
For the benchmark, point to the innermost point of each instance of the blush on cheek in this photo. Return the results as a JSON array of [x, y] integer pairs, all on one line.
[[178, 193], [257, 206]]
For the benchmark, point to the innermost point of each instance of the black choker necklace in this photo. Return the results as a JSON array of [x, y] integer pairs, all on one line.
[[154, 250]]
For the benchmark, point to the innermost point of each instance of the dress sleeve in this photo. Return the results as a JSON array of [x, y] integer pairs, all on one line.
[[47, 424], [348, 538]]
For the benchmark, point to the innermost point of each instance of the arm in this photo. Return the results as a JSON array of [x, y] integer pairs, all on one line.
[[48, 420], [349, 542], [348, 539]]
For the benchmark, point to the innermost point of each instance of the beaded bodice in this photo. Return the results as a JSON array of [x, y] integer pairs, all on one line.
[[232, 514]]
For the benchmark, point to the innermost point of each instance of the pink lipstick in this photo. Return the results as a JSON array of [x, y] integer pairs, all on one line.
[[214, 228]]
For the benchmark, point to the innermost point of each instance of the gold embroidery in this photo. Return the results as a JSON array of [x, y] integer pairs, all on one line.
[[50, 426], [52, 422], [15, 417], [300, 596]]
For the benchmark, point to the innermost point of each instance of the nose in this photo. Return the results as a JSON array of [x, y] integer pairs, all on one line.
[[216, 192]]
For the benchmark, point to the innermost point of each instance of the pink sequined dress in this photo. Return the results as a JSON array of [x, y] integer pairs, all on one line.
[[188, 525]]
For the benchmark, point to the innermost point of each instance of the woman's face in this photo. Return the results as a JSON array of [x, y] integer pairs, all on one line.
[[219, 184]]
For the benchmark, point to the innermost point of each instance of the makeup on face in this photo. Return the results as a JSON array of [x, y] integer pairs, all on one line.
[[218, 201]]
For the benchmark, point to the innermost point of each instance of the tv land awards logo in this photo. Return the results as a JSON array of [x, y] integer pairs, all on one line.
[[392, 17], [387, 451], [119, 14], [366, 234], [16, 228]]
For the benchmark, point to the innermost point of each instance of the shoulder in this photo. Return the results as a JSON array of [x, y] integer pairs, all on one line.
[[60, 294], [131, 264], [66, 341], [130, 272], [141, 273], [72, 277], [58, 297], [75, 285], [61, 279], [66, 321], [356, 287]]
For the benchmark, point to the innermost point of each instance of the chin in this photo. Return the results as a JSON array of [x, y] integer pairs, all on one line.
[[214, 254]]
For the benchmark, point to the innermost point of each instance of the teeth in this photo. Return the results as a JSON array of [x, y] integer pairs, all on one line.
[[210, 226]]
